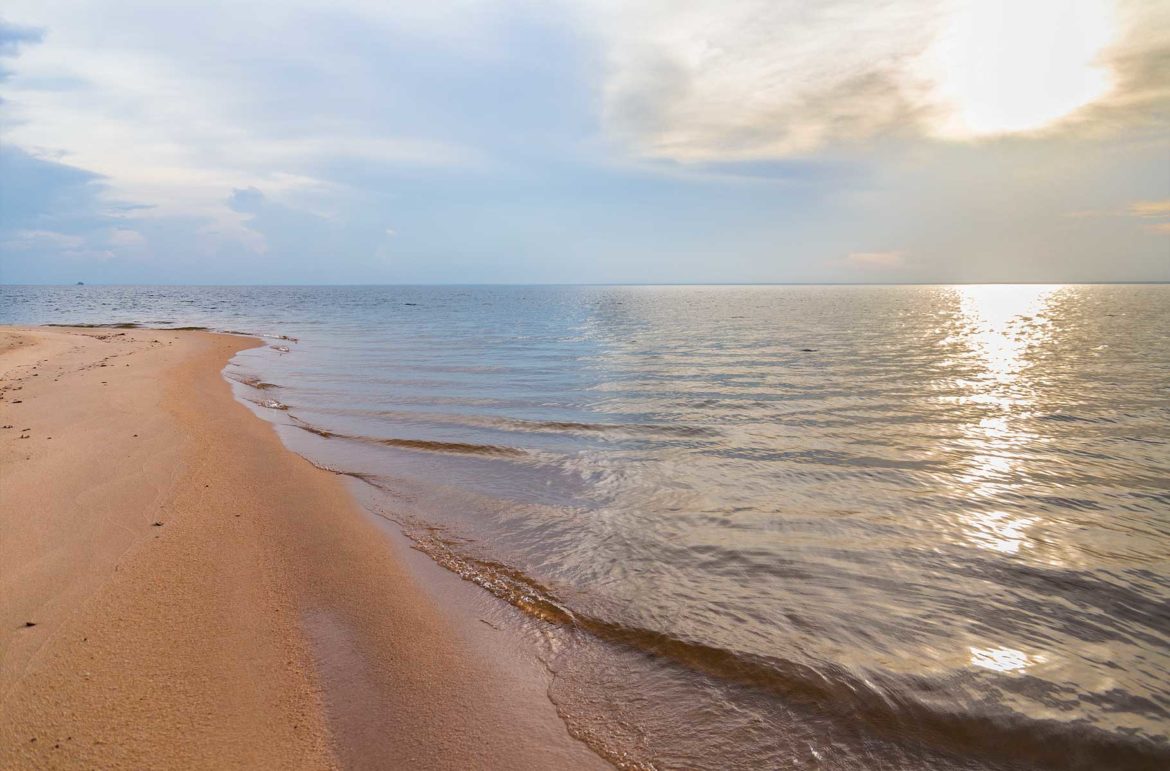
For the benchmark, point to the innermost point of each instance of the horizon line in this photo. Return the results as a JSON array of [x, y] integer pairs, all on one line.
[[615, 284]]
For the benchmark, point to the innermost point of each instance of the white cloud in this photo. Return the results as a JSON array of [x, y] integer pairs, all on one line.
[[719, 80], [350, 113], [748, 79], [167, 105]]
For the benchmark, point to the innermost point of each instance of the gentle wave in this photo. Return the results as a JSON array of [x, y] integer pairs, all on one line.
[[251, 381], [111, 325], [525, 426], [425, 445], [951, 514], [882, 702]]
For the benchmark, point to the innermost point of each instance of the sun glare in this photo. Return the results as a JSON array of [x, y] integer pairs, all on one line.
[[1003, 659], [1005, 66]]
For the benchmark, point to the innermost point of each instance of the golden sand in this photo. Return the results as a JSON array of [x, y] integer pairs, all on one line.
[[177, 588]]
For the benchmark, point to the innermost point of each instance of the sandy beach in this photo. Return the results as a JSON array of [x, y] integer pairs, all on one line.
[[178, 590]]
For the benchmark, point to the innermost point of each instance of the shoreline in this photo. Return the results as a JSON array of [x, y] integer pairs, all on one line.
[[265, 621]]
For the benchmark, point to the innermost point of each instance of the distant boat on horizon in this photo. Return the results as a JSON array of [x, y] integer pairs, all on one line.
[[81, 283]]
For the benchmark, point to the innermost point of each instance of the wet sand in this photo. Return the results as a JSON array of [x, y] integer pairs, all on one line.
[[178, 590]]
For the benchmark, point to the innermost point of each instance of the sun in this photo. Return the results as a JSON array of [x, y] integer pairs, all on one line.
[[1010, 66]]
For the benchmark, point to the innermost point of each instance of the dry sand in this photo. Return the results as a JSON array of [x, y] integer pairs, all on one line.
[[200, 597]]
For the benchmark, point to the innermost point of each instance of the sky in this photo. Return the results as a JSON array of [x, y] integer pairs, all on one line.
[[584, 141]]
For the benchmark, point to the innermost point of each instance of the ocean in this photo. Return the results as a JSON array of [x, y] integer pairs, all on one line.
[[833, 527]]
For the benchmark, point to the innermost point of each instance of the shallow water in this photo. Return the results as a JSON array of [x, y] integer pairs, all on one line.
[[830, 527]]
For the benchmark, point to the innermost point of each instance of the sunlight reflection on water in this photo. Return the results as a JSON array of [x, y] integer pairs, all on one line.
[[897, 506], [1003, 659], [1000, 325]]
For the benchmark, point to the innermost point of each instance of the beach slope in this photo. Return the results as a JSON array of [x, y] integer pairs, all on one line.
[[174, 585]]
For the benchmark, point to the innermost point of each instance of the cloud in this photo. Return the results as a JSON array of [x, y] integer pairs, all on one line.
[[1147, 210], [720, 80], [179, 106], [58, 221], [1150, 208], [876, 260], [52, 212], [14, 36], [246, 200], [658, 140], [281, 236], [39, 194], [1138, 61], [755, 79], [1142, 210]]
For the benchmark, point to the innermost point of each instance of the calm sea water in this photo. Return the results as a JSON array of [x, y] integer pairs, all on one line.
[[761, 527]]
